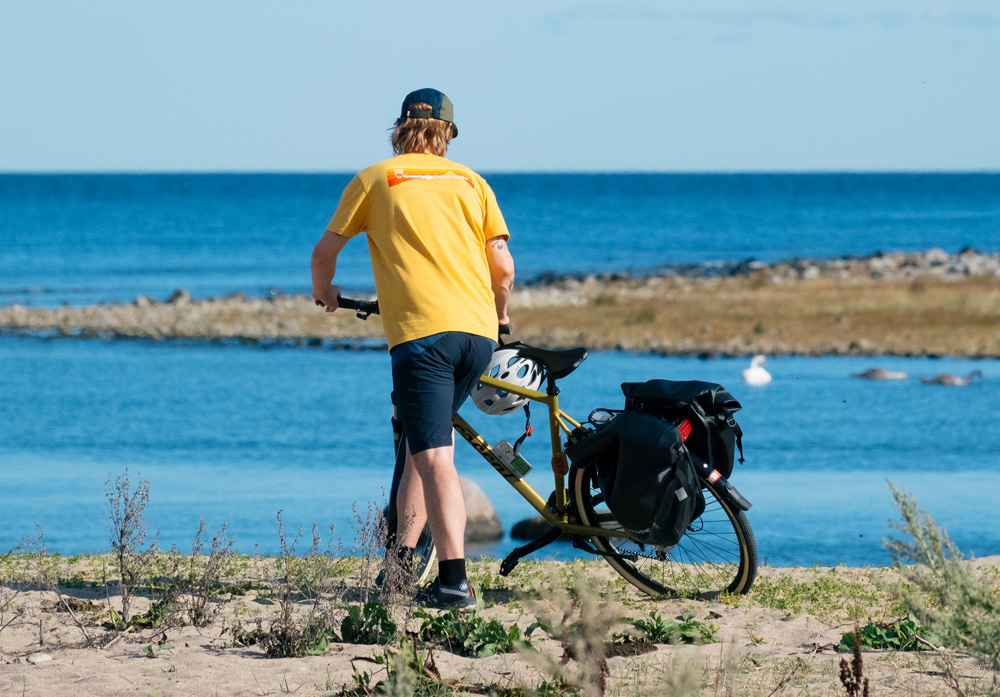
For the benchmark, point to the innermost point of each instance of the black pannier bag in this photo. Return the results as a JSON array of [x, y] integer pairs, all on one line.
[[715, 435], [646, 475]]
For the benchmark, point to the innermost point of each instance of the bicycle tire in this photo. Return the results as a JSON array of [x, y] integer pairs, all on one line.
[[424, 556], [717, 554]]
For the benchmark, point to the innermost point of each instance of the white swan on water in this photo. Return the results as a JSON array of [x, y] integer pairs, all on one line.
[[755, 374], [949, 379]]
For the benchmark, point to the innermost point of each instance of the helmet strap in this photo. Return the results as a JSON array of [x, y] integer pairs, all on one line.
[[527, 429]]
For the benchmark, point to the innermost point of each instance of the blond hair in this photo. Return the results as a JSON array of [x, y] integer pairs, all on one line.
[[421, 135]]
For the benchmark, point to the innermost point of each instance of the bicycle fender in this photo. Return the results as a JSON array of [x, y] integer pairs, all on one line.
[[732, 497], [726, 491]]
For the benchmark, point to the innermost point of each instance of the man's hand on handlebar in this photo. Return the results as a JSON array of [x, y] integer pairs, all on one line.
[[327, 297]]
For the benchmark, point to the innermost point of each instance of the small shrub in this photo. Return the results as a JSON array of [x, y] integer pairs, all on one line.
[[294, 634], [409, 672], [126, 519], [201, 581], [575, 614], [945, 596]]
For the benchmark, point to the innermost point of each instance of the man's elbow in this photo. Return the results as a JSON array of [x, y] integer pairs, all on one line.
[[503, 275], [326, 250]]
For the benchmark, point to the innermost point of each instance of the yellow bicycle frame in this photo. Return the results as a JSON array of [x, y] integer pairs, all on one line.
[[559, 423]]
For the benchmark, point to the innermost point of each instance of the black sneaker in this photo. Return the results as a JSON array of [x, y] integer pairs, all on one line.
[[442, 597]]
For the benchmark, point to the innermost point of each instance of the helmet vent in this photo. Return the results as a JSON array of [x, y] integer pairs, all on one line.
[[510, 367]]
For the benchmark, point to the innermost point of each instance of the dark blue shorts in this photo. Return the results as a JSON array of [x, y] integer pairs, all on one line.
[[431, 378]]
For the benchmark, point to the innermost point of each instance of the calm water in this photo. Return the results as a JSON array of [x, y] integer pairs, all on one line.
[[92, 238], [236, 434]]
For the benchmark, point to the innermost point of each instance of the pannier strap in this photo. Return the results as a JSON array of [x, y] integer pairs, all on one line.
[[739, 436]]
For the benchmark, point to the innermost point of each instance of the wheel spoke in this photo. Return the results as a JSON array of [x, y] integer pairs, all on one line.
[[717, 553]]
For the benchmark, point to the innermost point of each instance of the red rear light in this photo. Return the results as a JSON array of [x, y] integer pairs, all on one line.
[[685, 428]]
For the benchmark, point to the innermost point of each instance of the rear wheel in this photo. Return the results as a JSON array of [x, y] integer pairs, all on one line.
[[717, 554]]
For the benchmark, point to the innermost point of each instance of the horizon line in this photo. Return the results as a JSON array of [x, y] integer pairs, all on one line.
[[324, 172]]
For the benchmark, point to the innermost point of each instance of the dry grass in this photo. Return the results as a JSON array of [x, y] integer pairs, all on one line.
[[736, 315], [818, 316]]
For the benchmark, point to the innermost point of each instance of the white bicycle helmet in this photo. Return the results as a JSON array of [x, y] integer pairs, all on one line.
[[507, 365]]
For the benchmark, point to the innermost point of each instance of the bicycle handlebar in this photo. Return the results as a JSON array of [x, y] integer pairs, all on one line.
[[365, 308]]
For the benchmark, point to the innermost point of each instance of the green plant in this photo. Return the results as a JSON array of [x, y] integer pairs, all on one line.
[[408, 672], [656, 630], [944, 593], [368, 624], [156, 616], [827, 594], [471, 635], [902, 635], [152, 650]]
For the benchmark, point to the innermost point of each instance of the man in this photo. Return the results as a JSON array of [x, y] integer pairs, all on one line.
[[443, 275]]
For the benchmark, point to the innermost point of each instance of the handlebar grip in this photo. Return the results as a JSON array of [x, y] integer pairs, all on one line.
[[366, 307]]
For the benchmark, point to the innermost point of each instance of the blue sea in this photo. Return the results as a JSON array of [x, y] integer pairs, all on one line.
[[237, 433]]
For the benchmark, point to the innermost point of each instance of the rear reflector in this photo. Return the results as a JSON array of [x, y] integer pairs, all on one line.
[[685, 428]]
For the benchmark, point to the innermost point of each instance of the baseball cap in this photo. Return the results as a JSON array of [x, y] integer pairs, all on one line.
[[441, 107]]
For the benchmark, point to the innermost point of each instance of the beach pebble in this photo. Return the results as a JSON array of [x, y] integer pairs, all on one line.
[[38, 658]]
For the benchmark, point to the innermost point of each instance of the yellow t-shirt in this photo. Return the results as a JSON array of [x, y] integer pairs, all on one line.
[[428, 220]]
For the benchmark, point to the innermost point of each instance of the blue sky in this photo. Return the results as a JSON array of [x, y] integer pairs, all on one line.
[[311, 85]]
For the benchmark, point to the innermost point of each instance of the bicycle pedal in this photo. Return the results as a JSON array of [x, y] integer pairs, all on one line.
[[508, 564]]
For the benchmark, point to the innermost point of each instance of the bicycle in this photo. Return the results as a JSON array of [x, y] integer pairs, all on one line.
[[718, 552]]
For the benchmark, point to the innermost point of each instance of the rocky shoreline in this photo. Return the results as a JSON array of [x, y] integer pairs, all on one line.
[[294, 320], [894, 266]]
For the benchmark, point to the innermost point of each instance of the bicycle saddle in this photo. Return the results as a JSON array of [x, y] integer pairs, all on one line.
[[559, 364]]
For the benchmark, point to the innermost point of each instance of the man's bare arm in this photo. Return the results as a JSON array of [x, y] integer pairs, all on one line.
[[501, 275], [324, 267]]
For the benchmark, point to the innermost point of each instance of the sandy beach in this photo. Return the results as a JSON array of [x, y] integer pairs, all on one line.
[[780, 639]]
